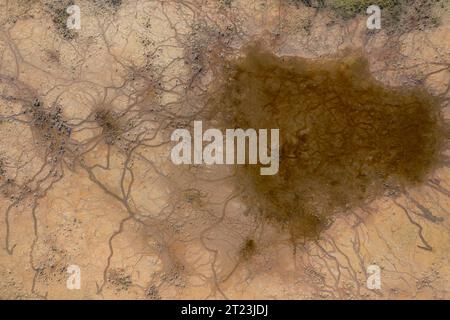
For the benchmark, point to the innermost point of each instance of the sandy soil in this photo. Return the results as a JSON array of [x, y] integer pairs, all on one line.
[[86, 177]]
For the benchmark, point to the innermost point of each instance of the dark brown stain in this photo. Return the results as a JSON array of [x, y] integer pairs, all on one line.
[[345, 138]]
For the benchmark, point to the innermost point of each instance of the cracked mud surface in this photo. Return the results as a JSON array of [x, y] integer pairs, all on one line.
[[85, 171]]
